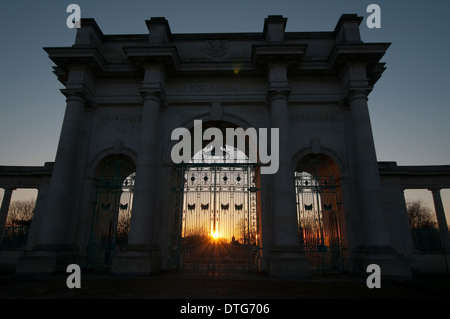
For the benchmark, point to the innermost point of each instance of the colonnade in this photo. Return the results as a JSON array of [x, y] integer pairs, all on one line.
[[14, 178]]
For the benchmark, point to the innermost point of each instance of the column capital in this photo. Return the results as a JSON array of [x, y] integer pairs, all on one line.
[[155, 93], [74, 94], [356, 94], [278, 87], [276, 92], [79, 93], [435, 190], [153, 84]]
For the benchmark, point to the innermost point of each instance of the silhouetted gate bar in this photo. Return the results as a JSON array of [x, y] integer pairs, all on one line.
[[113, 199], [318, 217], [215, 217]]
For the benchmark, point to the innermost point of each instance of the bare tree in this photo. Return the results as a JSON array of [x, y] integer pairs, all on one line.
[[123, 226], [420, 215], [247, 235], [20, 212]]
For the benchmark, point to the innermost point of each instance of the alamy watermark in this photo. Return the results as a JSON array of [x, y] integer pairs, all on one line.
[[250, 141], [73, 20], [373, 20], [74, 279], [374, 279]]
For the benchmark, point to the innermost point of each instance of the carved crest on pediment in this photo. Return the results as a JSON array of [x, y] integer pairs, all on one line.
[[217, 48]]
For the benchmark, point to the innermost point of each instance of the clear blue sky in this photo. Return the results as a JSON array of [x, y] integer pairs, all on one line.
[[410, 106]]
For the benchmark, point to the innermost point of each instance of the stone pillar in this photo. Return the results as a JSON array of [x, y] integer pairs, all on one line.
[[4, 210], [286, 256], [38, 214], [442, 222], [369, 184], [406, 229], [286, 233], [142, 255], [54, 223], [376, 248], [145, 172], [53, 251]]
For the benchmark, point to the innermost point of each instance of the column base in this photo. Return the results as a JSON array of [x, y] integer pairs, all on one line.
[[392, 264], [136, 260], [288, 261], [48, 259]]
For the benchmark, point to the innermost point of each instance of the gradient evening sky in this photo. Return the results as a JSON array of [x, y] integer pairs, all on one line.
[[409, 107]]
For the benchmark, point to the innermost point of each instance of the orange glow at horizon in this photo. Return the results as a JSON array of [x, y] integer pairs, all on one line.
[[215, 234]]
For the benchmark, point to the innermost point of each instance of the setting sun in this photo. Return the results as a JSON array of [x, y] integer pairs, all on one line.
[[215, 234]]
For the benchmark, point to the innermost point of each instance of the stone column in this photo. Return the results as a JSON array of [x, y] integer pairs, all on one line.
[[376, 248], [4, 210], [442, 222], [56, 215], [38, 214], [286, 233], [146, 170], [53, 251], [286, 256], [369, 184], [141, 255]]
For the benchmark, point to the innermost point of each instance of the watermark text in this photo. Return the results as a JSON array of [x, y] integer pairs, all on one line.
[[73, 20], [250, 141]]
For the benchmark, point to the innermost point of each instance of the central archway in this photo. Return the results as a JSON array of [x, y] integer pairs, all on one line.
[[216, 210]]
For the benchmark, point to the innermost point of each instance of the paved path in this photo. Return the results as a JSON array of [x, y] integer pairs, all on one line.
[[218, 285]]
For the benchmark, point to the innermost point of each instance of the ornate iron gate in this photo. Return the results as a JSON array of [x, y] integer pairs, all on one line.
[[318, 217], [112, 212], [215, 218]]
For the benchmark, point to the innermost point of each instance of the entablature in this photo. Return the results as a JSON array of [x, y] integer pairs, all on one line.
[[306, 54], [416, 177]]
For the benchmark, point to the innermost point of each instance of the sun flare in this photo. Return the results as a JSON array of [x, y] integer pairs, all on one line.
[[215, 234]]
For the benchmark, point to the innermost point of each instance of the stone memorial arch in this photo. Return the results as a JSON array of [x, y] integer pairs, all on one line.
[[126, 94]]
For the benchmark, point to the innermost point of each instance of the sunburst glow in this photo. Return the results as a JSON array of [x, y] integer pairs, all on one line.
[[215, 234]]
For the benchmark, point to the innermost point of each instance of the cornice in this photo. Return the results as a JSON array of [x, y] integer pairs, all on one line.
[[292, 49], [66, 57], [265, 55], [368, 54], [161, 55]]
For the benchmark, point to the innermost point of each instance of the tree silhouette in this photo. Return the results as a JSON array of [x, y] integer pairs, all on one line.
[[18, 222], [20, 212], [420, 215], [123, 226]]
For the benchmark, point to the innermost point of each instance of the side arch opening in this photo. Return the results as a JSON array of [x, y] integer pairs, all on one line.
[[113, 201], [319, 212]]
